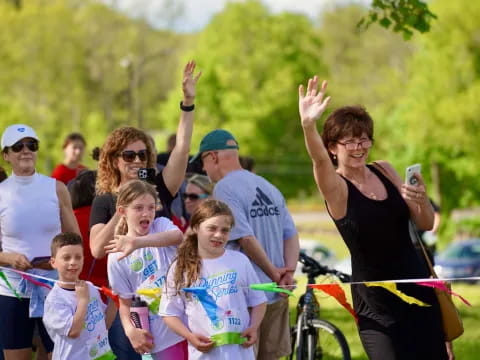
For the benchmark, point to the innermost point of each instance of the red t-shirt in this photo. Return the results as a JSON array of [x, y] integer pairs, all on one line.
[[98, 275], [65, 174]]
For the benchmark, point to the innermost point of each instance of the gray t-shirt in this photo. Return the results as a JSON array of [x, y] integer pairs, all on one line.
[[259, 210]]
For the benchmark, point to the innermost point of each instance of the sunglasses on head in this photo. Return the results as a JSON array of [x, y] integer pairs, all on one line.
[[32, 145], [193, 196], [130, 155]]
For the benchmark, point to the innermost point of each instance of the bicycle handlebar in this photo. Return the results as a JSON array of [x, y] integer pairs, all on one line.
[[314, 269]]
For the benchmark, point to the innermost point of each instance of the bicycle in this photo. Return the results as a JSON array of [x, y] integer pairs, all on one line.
[[312, 337]]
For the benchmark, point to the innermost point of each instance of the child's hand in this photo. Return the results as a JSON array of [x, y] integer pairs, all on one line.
[[141, 340], [251, 334], [121, 243], [81, 290], [201, 343]]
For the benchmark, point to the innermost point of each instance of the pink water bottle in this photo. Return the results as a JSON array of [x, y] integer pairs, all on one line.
[[139, 314]]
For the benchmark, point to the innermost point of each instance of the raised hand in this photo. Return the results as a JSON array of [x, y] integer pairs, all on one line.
[[310, 103], [189, 81], [121, 243]]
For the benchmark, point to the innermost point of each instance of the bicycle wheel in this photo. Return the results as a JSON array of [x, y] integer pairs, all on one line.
[[320, 341]]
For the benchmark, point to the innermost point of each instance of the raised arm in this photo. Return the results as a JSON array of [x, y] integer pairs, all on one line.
[[311, 106], [174, 171]]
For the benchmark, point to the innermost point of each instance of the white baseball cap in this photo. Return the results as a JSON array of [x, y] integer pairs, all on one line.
[[16, 132]]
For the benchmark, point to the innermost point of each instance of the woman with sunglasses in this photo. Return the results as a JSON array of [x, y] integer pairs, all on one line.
[[199, 188], [124, 153], [371, 207], [33, 209]]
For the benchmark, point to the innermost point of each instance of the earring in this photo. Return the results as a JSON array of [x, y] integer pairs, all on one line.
[[334, 157]]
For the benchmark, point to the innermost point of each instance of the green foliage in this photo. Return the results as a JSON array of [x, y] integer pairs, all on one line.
[[406, 16], [63, 72], [435, 121], [252, 62]]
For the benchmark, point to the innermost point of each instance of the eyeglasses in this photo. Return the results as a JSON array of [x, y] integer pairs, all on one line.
[[208, 153], [130, 155], [32, 145], [351, 145], [194, 197]]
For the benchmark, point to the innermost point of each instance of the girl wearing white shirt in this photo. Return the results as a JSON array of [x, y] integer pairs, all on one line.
[[141, 263], [211, 286]]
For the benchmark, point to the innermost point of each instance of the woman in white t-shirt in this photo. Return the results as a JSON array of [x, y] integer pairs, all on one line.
[[142, 263], [211, 286], [33, 209]]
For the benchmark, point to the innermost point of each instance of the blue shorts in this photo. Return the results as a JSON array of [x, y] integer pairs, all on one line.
[[16, 330]]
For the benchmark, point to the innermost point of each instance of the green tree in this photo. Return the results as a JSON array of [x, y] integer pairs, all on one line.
[[435, 121], [252, 63]]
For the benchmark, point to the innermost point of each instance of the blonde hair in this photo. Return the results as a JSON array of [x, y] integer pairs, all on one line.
[[127, 193], [188, 262], [203, 182], [108, 176]]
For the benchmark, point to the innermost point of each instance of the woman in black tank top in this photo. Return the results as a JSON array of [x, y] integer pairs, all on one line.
[[372, 214]]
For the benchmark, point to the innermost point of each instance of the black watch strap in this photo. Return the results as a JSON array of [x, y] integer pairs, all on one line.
[[186, 108]]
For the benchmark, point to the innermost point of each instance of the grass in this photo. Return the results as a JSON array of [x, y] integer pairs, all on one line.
[[466, 347]]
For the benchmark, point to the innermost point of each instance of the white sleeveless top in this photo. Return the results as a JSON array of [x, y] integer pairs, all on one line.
[[29, 218]]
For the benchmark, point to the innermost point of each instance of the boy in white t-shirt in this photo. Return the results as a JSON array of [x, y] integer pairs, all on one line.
[[74, 313]]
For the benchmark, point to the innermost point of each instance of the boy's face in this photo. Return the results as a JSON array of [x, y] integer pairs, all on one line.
[[68, 262]]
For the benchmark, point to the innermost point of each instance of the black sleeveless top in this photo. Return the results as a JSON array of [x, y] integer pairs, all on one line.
[[376, 233]]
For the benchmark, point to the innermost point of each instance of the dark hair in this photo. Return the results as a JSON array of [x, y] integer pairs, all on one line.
[[3, 174], [346, 121], [188, 263], [64, 239], [73, 137], [82, 188], [247, 162], [96, 153]]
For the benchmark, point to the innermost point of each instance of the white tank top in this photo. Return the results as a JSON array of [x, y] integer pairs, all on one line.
[[29, 218]]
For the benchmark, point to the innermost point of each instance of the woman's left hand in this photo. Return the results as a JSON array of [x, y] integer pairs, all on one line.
[[416, 193], [122, 243], [189, 82]]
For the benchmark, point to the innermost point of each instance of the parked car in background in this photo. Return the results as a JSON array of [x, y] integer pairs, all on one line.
[[460, 259]]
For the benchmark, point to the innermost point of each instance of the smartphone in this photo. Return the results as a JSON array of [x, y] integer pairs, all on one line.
[[147, 174], [410, 179], [40, 260]]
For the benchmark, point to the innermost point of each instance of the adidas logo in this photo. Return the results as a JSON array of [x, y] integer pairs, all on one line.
[[263, 206]]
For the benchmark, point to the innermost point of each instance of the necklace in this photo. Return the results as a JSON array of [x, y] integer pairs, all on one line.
[[369, 194]]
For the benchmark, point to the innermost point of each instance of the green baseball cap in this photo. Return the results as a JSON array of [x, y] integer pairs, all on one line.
[[217, 139]]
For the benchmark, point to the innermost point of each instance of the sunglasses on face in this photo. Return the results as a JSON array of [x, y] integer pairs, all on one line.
[[193, 196], [32, 145], [130, 155]]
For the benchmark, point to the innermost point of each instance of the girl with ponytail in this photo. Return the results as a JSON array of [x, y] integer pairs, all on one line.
[[210, 285], [140, 255]]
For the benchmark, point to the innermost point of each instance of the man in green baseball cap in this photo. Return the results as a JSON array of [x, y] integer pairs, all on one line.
[[217, 139], [264, 231]]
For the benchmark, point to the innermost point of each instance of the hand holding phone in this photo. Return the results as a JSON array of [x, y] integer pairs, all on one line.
[[410, 178], [147, 174]]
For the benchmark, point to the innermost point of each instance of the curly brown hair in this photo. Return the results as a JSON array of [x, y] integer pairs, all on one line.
[[188, 262], [346, 121], [108, 176]]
